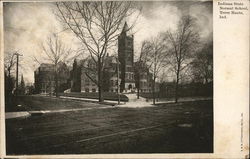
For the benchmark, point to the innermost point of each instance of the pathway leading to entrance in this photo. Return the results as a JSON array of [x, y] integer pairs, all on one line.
[[136, 103]]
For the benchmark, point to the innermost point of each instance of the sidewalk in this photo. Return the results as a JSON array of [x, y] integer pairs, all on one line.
[[143, 102], [24, 114], [136, 103], [10, 115], [183, 99], [107, 102]]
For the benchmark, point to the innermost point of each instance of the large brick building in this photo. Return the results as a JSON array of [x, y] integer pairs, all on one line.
[[80, 82], [83, 76]]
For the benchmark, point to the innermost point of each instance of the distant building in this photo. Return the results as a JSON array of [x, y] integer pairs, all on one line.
[[22, 89], [45, 78], [143, 78], [76, 76], [88, 76]]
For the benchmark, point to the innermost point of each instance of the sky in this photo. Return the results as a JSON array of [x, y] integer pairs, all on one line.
[[27, 24]]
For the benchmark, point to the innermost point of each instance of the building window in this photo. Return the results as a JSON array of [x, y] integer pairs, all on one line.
[[129, 43], [86, 90], [93, 90], [87, 79]]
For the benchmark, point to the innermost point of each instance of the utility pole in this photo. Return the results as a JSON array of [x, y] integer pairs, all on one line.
[[17, 60]]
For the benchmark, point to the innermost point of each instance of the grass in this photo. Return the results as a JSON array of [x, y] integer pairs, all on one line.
[[47, 103], [94, 95], [115, 130], [34, 102]]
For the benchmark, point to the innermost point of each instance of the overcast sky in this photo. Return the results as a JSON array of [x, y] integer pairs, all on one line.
[[27, 25]]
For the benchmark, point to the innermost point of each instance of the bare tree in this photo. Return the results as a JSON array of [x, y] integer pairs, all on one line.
[[140, 66], [9, 62], [55, 52], [156, 59], [96, 24], [202, 65], [182, 44]]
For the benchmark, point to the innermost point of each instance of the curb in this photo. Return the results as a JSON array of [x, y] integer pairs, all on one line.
[[181, 102], [90, 101]]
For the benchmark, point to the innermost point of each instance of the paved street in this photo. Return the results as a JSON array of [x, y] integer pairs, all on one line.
[[182, 127]]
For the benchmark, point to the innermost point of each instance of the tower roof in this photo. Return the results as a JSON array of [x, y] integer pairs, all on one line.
[[125, 27]]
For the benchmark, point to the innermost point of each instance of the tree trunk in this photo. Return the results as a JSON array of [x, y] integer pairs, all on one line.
[[206, 79], [9, 83], [56, 83], [100, 93], [154, 91], [138, 94], [176, 87], [138, 89], [100, 73]]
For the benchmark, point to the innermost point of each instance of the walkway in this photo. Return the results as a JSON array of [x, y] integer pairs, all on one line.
[[136, 103], [108, 102], [11, 115], [143, 102]]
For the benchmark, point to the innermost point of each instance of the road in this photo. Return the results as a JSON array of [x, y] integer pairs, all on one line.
[[165, 128]]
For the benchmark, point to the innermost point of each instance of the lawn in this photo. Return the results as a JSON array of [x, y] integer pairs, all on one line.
[[46, 103], [94, 95], [166, 128]]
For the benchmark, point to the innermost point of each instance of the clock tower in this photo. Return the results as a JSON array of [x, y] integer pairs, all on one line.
[[126, 59]]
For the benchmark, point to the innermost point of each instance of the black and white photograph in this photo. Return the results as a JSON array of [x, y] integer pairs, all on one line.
[[108, 77]]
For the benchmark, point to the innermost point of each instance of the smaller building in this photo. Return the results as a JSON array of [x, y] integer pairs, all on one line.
[[143, 78], [88, 76], [45, 78]]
